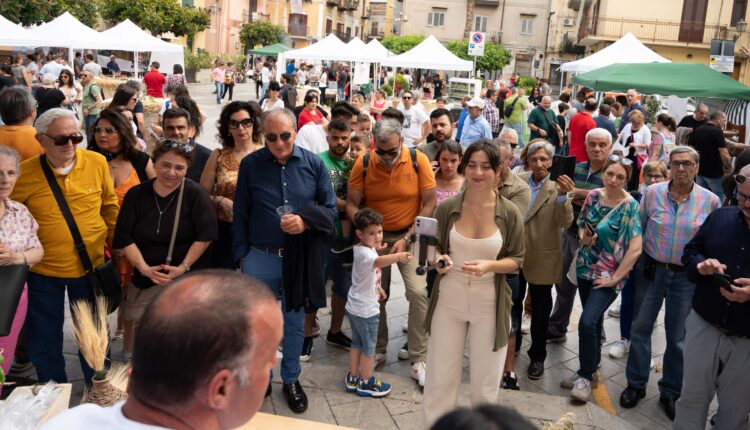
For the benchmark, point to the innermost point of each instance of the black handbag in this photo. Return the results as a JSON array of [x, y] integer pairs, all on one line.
[[105, 279], [12, 280]]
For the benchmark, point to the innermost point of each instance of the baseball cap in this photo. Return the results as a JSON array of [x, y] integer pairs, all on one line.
[[475, 102]]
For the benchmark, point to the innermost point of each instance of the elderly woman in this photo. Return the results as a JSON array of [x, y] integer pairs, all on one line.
[[610, 235], [48, 96], [637, 136], [146, 222], [480, 239], [19, 244], [240, 135], [550, 211]]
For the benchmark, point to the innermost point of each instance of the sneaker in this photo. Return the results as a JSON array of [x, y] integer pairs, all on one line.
[[619, 348], [418, 371], [526, 324], [316, 328], [351, 383], [570, 381], [339, 339], [373, 388], [510, 381], [581, 390], [405, 327], [380, 358], [614, 311], [307, 347], [403, 353]]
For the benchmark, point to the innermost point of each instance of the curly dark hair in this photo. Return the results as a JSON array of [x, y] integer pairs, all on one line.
[[183, 150], [367, 217], [252, 108], [122, 128]]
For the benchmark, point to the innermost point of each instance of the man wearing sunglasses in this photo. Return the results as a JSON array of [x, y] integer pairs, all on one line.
[[91, 103], [717, 331], [416, 126], [284, 206], [83, 177], [400, 189], [671, 213]]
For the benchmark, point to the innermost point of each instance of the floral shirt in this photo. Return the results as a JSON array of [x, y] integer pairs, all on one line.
[[613, 236], [18, 228]]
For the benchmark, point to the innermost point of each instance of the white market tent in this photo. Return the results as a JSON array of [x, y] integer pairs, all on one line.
[[628, 49], [12, 34], [329, 48], [69, 32], [167, 54], [430, 54], [359, 51], [377, 50]]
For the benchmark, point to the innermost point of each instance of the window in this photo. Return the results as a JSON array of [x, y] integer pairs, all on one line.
[[527, 22], [480, 23], [738, 11], [329, 26], [297, 24], [436, 18], [374, 28]]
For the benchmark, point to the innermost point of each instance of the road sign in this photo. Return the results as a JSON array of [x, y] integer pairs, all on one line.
[[722, 63], [476, 43]]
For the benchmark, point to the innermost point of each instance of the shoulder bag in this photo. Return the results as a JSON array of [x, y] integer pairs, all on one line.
[[12, 280], [105, 279]]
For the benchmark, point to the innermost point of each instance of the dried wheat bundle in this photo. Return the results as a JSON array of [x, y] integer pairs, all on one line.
[[91, 332], [566, 422]]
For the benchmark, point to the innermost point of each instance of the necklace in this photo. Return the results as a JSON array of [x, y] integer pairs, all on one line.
[[161, 211]]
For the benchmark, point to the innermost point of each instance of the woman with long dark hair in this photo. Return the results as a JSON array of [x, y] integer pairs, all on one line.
[[71, 89]]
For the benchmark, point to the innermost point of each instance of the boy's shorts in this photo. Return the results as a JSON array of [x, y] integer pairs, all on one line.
[[364, 333]]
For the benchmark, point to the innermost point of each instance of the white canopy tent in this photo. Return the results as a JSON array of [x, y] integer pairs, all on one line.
[[329, 48], [67, 31], [12, 34], [430, 54], [167, 54], [377, 50], [628, 49]]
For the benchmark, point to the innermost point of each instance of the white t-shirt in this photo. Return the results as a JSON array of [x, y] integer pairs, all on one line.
[[52, 67], [89, 416], [265, 75], [413, 120], [268, 106], [363, 294], [94, 68], [312, 137]]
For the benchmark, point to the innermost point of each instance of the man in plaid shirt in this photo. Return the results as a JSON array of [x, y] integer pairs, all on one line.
[[671, 214], [491, 113]]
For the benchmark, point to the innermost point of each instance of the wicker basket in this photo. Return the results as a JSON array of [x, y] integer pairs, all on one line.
[[103, 393]]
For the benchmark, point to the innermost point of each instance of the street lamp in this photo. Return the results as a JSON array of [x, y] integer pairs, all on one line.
[[741, 26]]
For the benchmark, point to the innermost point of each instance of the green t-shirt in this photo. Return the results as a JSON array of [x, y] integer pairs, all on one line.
[[536, 117], [517, 116], [90, 92], [336, 170]]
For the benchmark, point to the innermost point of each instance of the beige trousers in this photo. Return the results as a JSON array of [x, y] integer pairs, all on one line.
[[465, 308]]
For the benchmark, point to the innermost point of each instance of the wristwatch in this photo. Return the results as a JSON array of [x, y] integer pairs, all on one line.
[[407, 239], [185, 266]]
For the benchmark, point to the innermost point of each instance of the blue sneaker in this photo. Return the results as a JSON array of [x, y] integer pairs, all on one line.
[[351, 383], [373, 388]]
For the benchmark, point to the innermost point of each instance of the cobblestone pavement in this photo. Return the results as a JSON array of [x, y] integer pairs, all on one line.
[[542, 400]]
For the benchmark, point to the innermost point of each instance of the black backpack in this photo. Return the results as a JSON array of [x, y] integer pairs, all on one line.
[[508, 110], [101, 91], [366, 162]]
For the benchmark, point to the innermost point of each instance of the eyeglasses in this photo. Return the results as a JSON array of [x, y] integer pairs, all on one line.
[[173, 144], [740, 179], [274, 137], [622, 160], [678, 164], [107, 130], [391, 153], [245, 123], [63, 140]]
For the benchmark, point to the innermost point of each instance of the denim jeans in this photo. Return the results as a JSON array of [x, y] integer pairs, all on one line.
[[627, 306], [712, 184], [219, 91], [267, 268], [89, 121], [341, 277], [595, 302], [677, 291], [264, 90], [519, 130], [44, 324], [342, 96]]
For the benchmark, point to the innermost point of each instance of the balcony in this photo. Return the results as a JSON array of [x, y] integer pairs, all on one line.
[[343, 36], [298, 30], [332, 3], [647, 30], [345, 5], [488, 3]]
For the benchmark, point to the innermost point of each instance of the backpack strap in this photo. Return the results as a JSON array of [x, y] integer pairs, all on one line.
[[413, 155]]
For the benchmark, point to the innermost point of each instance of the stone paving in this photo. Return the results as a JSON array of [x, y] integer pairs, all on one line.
[[542, 400]]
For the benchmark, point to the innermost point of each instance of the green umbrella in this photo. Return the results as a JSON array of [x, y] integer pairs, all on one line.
[[676, 79], [272, 50]]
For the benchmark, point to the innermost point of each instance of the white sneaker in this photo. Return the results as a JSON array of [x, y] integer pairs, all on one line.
[[570, 381], [581, 390], [405, 327], [418, 371], [614, 311], [619, 348], [526, 324]]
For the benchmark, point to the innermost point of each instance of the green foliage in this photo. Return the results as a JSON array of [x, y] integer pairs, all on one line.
[[200, 60], [401, 44], [238, 60], [260, 33], [527, 83], [157, 16], [399, 81], [28, 12], [495, 56], [652, 108]]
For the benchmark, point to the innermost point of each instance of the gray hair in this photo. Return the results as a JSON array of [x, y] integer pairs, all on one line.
[[682, 149], [270, 114], [12, 153], [386, 128], [46, 119], [508, 131], [600, 133], [503, 144], [16, 104], [48, 79], [134, 83], [539, 146]]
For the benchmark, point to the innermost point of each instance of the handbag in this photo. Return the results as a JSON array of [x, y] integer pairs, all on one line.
[[105, 278], [12, 280]]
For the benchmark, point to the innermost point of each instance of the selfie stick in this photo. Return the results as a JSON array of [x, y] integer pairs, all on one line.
[[423, 265]]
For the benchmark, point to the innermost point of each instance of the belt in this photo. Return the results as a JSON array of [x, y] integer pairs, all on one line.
[[669, 266], [279, 252], [396, 232]]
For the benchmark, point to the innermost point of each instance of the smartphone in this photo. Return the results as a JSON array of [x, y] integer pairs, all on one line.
[[722, 280], [425, 227], [563, 165]]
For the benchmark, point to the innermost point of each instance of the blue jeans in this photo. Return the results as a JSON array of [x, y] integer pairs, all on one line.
[[267, 268], [519, 130], [44, 324], [712, 184], [627, 306], [342, 96], [89, 121], [219, 91], [341, 277], [679, 295], [595, 303], [264, 90]]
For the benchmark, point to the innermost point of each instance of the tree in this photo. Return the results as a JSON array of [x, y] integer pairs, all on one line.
[[261, 33], [470, 4], [28, 12], [495, 56], [158, 16], [401, 44]]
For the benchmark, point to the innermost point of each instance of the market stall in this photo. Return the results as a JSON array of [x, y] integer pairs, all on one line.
[[628, 49], [430, 54]]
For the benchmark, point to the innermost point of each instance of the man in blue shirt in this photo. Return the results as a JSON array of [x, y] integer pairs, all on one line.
[[278, 175], [633, 104], [602, 120], [475, 125]]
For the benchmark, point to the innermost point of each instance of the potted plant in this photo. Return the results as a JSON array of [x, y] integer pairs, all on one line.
[[195, 63]]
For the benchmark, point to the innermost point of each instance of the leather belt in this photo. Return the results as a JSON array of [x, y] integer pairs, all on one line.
[[669, 266], [279, 252]]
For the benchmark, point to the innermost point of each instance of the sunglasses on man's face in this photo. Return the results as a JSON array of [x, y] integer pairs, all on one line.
[[392, 152], [274, 137], [63, 140]]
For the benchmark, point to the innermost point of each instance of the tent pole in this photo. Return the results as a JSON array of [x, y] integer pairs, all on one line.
[[135, 64]]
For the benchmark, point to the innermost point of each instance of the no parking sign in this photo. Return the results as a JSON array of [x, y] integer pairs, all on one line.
[[476, 43]]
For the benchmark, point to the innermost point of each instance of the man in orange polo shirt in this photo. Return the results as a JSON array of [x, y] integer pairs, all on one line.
[[400, 191], [18, 111]]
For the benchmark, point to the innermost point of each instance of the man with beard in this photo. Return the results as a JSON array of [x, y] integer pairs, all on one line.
[[442, 130]]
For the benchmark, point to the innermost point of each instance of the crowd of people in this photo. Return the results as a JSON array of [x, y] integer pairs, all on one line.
[[300, 194]]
